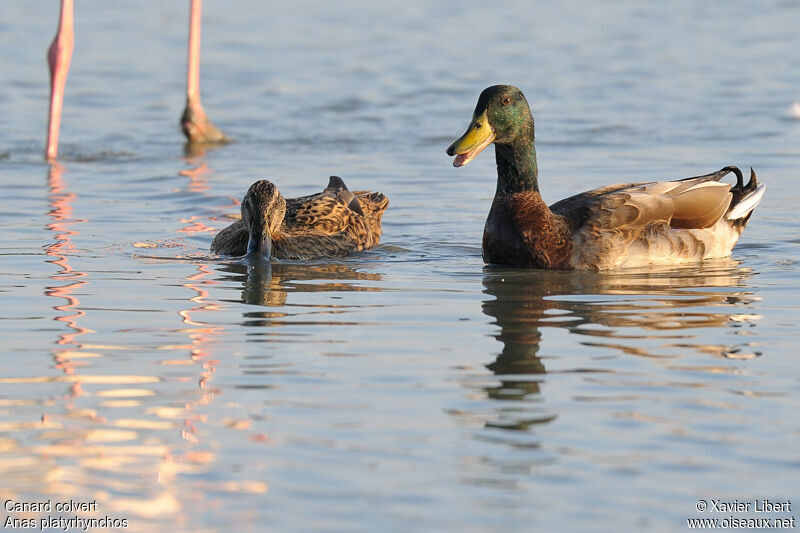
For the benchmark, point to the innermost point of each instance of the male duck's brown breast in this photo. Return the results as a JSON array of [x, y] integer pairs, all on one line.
[[522, 231]]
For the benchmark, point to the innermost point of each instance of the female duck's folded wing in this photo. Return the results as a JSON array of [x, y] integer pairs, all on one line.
[[323, 213], [329, 211], [231, 240], [337, 187], [337, 190]]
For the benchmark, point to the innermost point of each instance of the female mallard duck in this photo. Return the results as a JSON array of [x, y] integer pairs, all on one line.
[[334, 222], [626, 225]]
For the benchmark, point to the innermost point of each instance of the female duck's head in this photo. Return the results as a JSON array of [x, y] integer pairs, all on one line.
[[263, 209], [502, 116]]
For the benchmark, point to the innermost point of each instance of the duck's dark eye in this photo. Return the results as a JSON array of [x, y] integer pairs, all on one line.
[[506, 100], [478, 125]]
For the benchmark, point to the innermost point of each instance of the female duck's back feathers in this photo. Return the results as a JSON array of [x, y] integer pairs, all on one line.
[[624, 225], [334, 222], [325, 204]]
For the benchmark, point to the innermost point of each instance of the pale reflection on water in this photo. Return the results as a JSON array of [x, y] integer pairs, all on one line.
[[80, 452], [117, 439], [132, 441]]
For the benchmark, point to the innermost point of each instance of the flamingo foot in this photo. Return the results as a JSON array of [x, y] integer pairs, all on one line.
[[198, 128]]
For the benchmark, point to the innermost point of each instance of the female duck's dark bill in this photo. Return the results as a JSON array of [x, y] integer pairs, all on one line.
[[478, 136], [260, 247]]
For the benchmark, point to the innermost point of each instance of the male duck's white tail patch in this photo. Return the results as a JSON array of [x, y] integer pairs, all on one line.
[[747, 203]]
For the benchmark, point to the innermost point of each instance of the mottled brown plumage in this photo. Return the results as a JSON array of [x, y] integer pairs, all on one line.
[[332, 223], [617, 226]]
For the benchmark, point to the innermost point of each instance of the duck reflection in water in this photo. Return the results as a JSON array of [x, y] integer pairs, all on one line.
[[268, 284], [659, 311]]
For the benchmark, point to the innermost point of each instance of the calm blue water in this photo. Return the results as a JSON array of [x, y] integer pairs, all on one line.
[[408, 387]]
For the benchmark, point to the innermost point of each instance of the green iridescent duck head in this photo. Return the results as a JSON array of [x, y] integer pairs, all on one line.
[[502, 116]]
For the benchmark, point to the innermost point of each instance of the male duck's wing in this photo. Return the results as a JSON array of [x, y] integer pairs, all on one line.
[[578, 209], [691, 203]]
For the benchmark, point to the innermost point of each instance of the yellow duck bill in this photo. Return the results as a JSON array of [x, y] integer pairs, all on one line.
[[478, 136]]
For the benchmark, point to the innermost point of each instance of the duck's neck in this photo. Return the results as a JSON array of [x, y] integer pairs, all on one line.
[[516, 167]]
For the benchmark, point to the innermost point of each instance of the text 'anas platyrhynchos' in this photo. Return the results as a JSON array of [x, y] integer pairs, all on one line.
[[625, 225], [332, 223]]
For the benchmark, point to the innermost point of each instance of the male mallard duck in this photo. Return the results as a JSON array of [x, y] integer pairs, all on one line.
[[626, 225], [334, 222]]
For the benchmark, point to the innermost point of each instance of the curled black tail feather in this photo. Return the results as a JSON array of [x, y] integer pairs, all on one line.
[[741, 190], [752, 184]]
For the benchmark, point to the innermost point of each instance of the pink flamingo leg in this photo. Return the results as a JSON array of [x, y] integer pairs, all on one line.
[[59, 57], [194, 122]]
